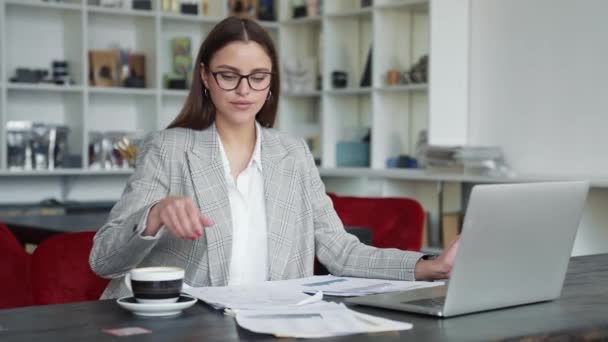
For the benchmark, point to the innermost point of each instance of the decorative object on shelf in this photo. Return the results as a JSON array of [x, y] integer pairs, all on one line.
[[300, 74], [402, 161], [113, 150], [354, 152], [172, 81], [205, 7], [113, 3], [314, 144], [103, 68], [181, 62], [60, 75], [366, 3], [181, 55], [298, 8], [366, 79], [393, 77], [339, 79], [312, 8], [142, 4], [189, 7], [243, 8], [476, 160], [266, 10], [169, 6], [25, 75], [109, 68], [137, 71], [419, 71], [36, 146]]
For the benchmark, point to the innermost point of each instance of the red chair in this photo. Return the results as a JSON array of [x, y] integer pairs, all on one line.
[[61, 271], [395, 222], [15, 282]]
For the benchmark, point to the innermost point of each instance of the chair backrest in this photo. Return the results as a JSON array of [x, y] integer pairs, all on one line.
[[15, 282], [61, 271], [395, 222]]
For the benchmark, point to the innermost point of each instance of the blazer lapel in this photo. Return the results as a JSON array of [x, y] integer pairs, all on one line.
[[278, 170], [211, 192]]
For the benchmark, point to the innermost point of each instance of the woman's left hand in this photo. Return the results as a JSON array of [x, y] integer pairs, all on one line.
[[439, 268]]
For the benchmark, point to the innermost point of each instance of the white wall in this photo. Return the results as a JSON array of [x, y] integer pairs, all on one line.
[[539, 83], [449, 72], [538, 77]]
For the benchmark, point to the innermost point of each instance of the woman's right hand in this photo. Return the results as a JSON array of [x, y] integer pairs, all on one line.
[[179, 215]]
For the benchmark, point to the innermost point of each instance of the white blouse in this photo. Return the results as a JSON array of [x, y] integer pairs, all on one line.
[[249, 261]]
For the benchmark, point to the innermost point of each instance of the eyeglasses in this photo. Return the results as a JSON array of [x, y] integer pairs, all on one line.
[[228, 80]]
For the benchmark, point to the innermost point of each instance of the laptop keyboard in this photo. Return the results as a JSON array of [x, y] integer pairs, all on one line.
[[436, 302]]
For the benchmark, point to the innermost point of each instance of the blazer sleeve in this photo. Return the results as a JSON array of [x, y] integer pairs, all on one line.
[[119, 246], [342, 253]]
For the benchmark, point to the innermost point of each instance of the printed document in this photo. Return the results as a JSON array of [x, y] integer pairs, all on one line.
[[351, 287], [315, 322]]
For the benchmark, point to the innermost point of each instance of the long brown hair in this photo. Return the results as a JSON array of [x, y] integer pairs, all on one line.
[[198, 111]]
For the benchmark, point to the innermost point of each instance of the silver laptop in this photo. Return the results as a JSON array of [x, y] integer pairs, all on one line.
[[514, 249]]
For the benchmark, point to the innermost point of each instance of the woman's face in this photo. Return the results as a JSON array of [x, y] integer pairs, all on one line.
[[238, 105]]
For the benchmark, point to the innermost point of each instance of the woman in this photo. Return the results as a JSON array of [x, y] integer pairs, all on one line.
[[222, 195]]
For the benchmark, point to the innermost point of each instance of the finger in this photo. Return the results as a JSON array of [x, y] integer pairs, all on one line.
[[184, 221], [197, 228], [175, 226], [450, 254], [205, 221]]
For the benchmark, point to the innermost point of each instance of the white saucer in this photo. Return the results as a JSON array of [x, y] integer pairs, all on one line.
[[157, 309]]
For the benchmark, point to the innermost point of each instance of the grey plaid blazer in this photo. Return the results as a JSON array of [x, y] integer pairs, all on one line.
[[300, 216]]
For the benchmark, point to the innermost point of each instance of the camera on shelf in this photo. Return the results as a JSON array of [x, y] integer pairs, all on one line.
[[59, 74]]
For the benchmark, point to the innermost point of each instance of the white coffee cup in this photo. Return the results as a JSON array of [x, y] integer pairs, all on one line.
[[153, 285]]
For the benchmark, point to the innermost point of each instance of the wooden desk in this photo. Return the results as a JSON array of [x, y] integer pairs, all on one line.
[[34, 229], [580, 314]]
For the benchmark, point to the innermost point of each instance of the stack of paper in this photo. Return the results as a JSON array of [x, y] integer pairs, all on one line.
[[352, 287], [315, 321], [282, 308], [257, 296]]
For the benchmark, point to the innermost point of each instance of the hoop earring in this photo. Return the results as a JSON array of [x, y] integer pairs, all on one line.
[[269, 97]]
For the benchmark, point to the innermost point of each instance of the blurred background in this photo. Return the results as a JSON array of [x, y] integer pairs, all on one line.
[[418, 99]]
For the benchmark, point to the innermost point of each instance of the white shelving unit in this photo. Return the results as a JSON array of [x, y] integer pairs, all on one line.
[[339, 39]]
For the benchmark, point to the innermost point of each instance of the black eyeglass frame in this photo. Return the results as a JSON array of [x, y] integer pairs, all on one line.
[[214, 74]]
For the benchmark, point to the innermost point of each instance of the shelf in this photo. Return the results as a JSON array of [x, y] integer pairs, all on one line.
[[44, 87], [349, 91], [66, 172], [190, 17], [208, 19], [123, 91], [269, 24], [44, 5], [436, 176], [175, 92], [403, 88], [419, 175], [121, 11], [354, 172], [406, 4], [352, 13], [303, 21], [302, 94]]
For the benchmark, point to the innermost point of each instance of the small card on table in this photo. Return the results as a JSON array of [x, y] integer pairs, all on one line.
[[127, 331]]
